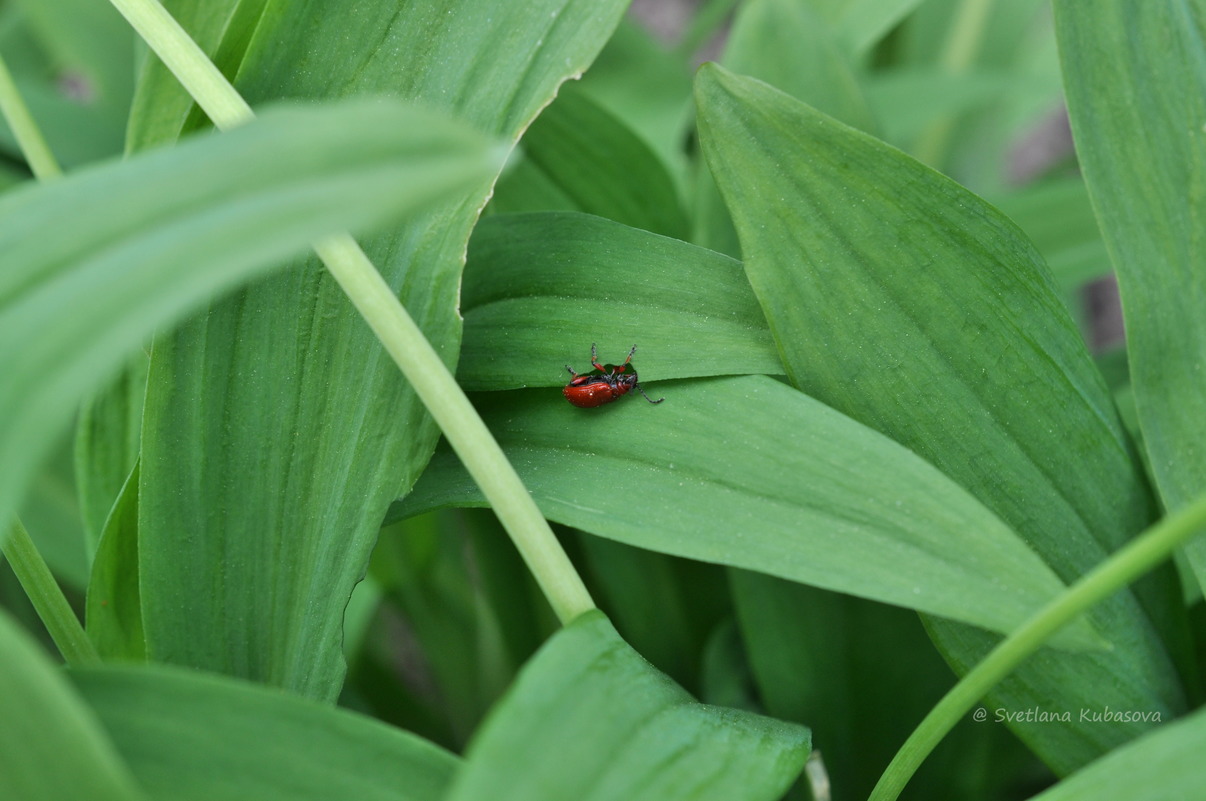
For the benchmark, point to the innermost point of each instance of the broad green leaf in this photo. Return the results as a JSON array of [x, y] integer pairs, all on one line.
[[861, 674], [664, 607], [1165, 765], [556, 282], [904, 301], [578, 156], [790, 46], [187, 735], [861, 23], [1135, 77], [51, 745], [1057, 217], [113, 607], [153, 237], [106, 444], [590, 719], [277, 430], [765, 478], [646, 86]]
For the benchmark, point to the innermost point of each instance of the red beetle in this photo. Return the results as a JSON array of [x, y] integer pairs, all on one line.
[[603, 384]]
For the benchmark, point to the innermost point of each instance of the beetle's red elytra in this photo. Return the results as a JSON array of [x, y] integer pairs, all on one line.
[[604, 384]]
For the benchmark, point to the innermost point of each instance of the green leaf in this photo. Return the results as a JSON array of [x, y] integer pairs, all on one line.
[[1135, 78], [106, 444], [859, 24], [580, 157], [155, 236], [51, 746], [188, 735], [764, 478], [899, 298], [555, 282], [1165, 765], [788, 45], [861, 674], [269, 413], [1057, 217], [647, 87], [113, 607], [588, 718]]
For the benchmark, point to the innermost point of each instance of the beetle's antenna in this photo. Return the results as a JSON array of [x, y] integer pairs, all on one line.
[[651, 400]]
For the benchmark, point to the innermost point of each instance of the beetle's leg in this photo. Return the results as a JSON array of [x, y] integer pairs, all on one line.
[[626, 361], [571, 371], [651, 400], [594, 358]]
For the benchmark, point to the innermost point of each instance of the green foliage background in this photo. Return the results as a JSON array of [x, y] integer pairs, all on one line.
[[884, 447]]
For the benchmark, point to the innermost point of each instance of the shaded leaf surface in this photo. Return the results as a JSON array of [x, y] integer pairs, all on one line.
[[1135, 77], [901, 299], [540, 288], [1165, 765], [578, 156], [191, 736], [277, 430], [762, 477], [154, 237], [46, 723], [588, 718]]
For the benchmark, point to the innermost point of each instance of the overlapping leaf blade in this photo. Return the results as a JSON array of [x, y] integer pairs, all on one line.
[[588, 718], [187, 736], [537, 283], [902, 300], [46, 728], [578, 156], [1135, 77], [762, 477], [276, 430], [154, 237], [1165, 765]]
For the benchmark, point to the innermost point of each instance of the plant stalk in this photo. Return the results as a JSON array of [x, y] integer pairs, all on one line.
[[1125, 566], [48, 599], [393, 326], [29, 137]]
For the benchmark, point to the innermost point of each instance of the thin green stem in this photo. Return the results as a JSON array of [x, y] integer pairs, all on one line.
[[48, 599], [225, 107], [405, 343], [459, 421], [1132, 561], [29, 136]]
